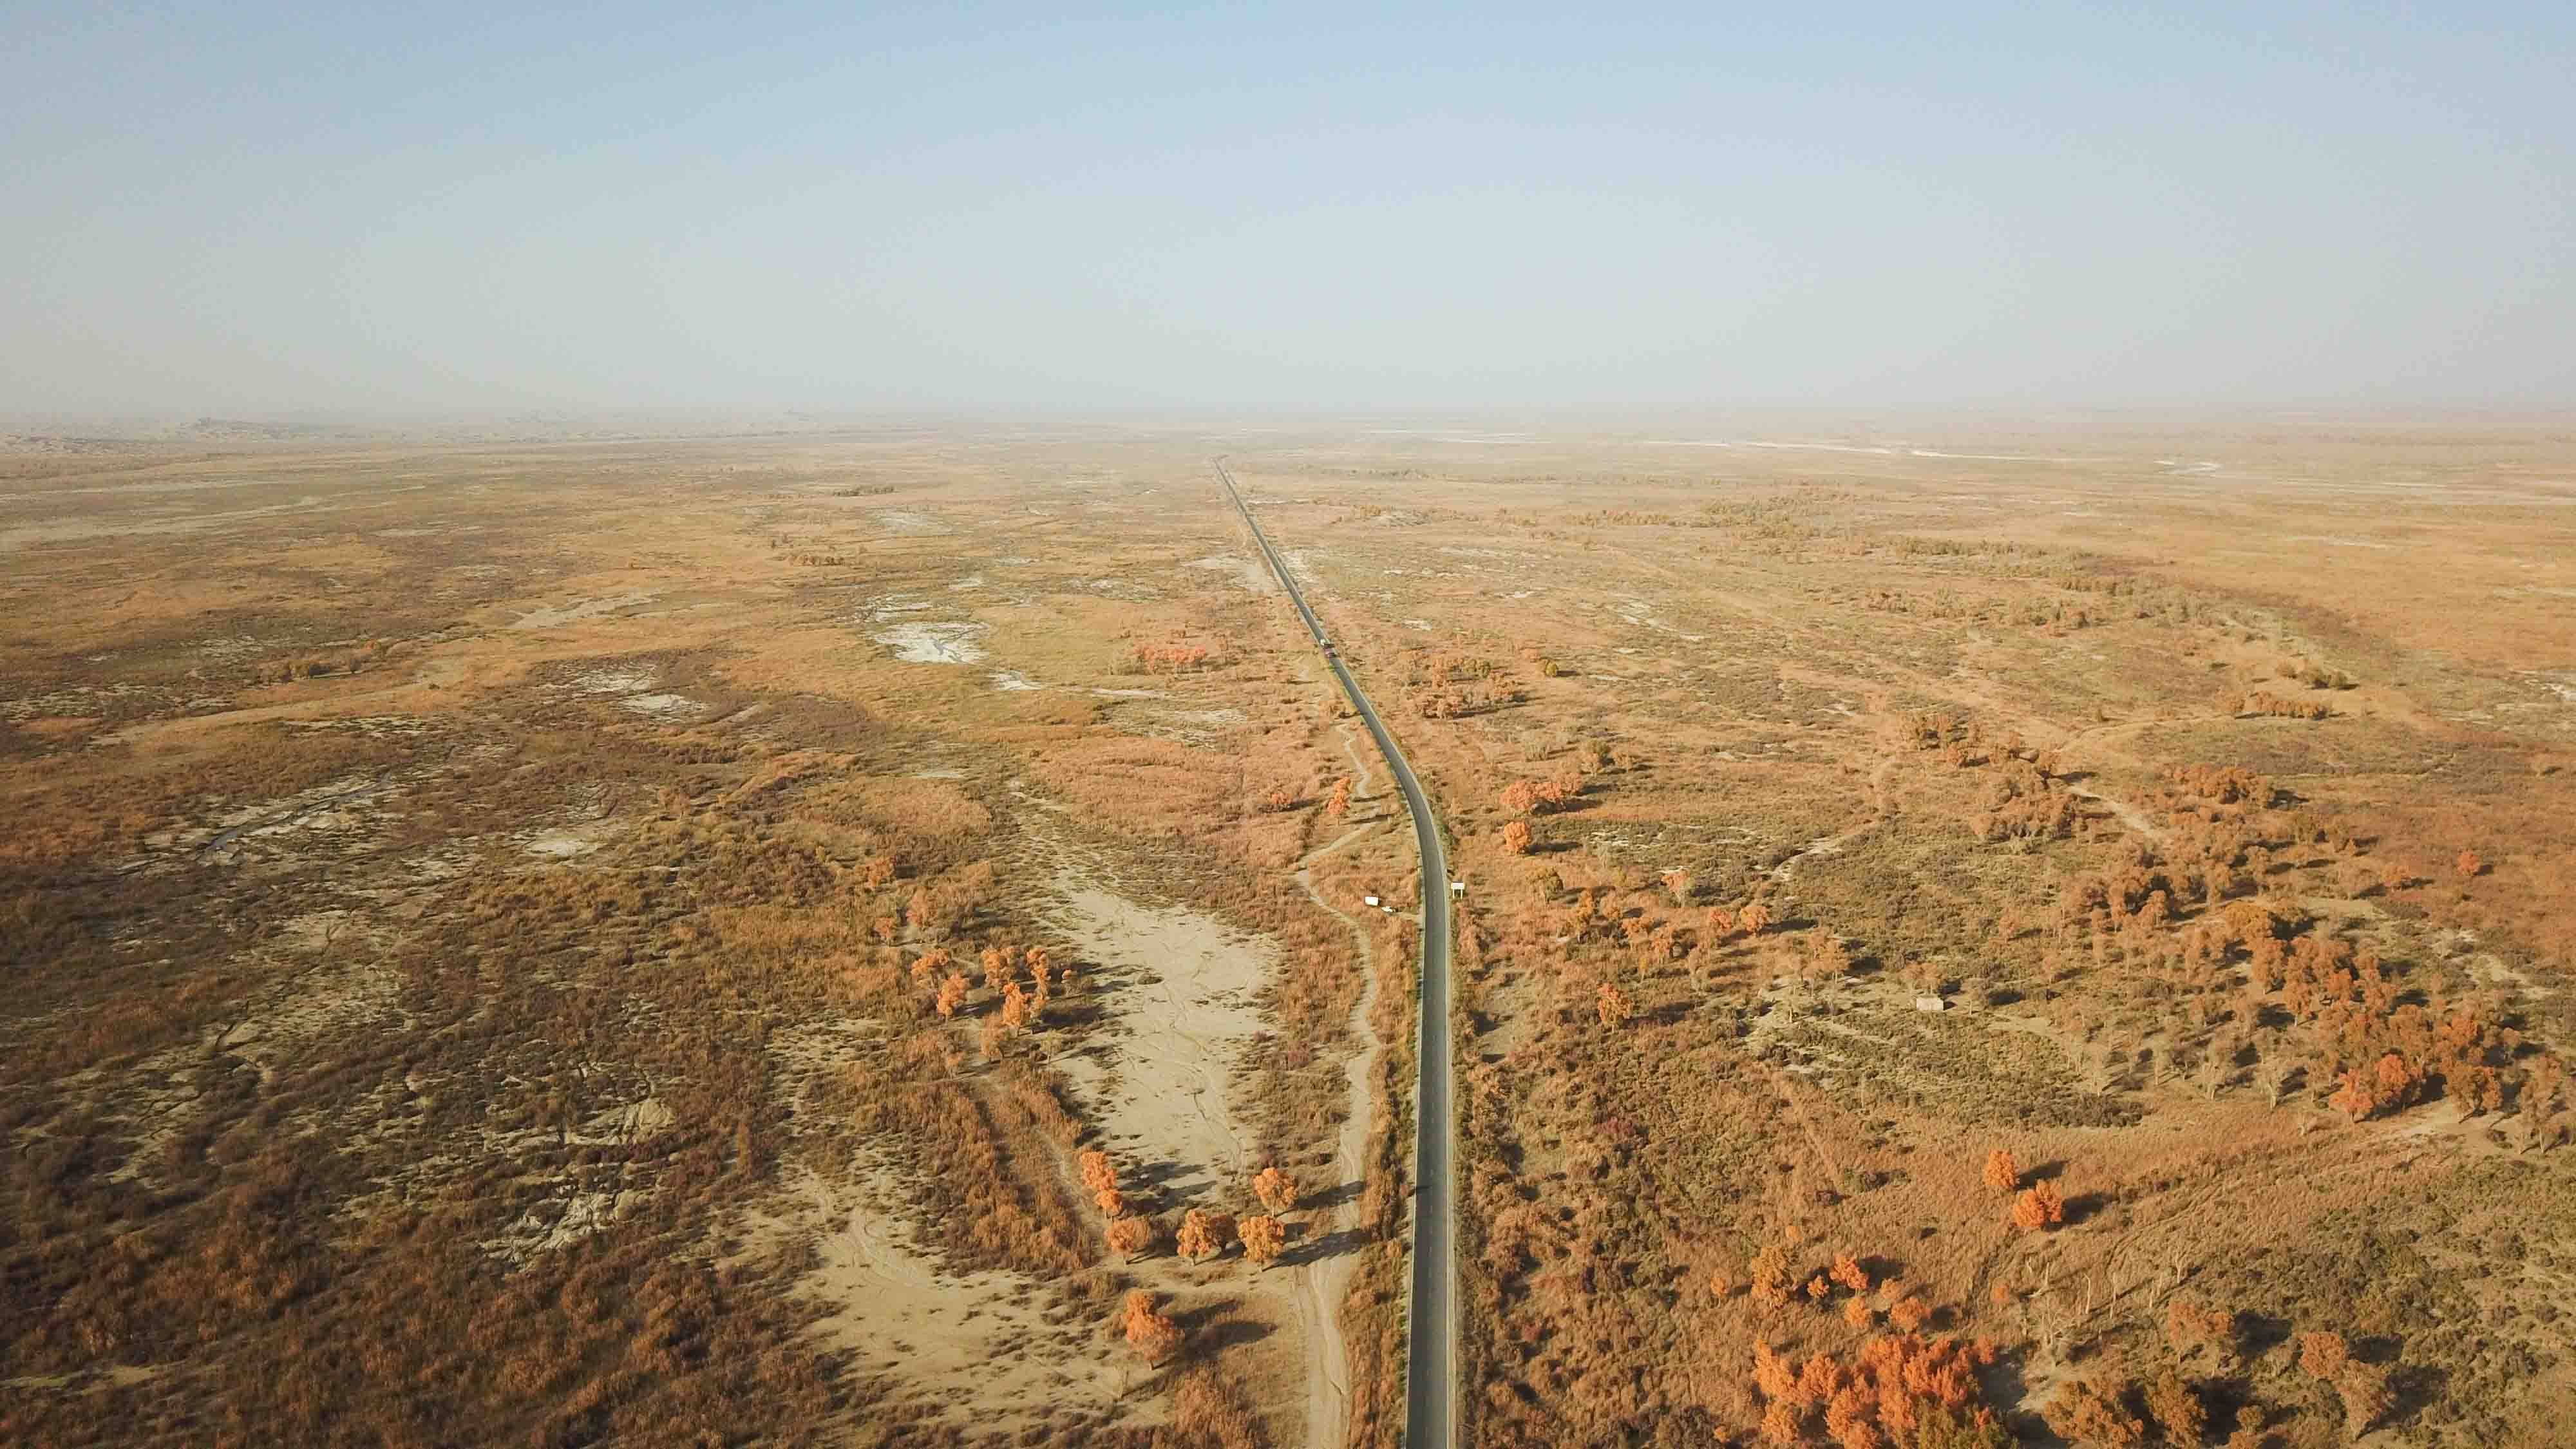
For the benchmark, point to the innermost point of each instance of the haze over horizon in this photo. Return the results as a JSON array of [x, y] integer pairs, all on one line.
[[254, 209]]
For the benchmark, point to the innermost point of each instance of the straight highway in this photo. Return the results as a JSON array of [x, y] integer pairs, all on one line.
[[1431, 1368]]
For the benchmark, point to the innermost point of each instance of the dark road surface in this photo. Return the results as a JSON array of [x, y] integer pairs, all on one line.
[[1431, 1370]]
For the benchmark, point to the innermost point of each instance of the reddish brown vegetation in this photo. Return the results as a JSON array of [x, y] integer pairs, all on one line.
[[2039, 1206], [1901, 1390], [1263, 1239], [1153, 1335], [2003, 1173], [1172, 657], [1203, 1234], [1276, 1189]]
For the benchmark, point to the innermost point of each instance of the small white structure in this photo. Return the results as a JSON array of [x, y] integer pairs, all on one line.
[[1457, 887], [1390, 910], [1930, 1003], [1368, 900]]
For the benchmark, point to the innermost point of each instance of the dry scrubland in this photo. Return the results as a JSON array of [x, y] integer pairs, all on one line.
[[2189, 820], [2011, 937], [639, 943]]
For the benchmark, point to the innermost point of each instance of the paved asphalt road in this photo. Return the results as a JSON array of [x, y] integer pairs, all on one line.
[[1431, 1376]]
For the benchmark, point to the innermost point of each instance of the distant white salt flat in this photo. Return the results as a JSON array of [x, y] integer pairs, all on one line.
[[1874, 450]]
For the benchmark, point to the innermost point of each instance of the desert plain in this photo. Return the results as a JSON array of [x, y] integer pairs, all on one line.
[[886, 933]]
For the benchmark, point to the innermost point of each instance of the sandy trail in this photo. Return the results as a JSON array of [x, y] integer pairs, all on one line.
[[1322, 1283]]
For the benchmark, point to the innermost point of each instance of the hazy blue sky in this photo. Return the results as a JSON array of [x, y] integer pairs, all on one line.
[[247, 207]]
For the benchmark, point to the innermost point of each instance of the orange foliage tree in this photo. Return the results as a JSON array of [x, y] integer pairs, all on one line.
[[1276, 1189], [2177, 1408], [1129, 1237], [1613, 1005], [1263, 1240], [2188, 1327], [2090, 1413], [1516, 837], [1203, 1234], [1098, 1172], [1773, 1278], [2039, 1207], [952, 995], [1153, 1335], [2003, 1170], [2323, 1355]]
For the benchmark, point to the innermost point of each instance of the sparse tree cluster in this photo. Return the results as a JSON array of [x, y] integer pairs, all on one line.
[[1900, 1390], [2039, 1206], [1533, 797], [2264, 702], [1169, 657]]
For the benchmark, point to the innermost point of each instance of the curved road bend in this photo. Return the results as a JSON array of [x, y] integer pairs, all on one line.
[[1431, 1372]]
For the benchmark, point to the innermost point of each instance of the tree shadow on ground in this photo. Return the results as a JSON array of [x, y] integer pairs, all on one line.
[[1330, 1245]]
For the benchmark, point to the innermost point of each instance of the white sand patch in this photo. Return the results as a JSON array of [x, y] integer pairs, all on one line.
[[563, 844], [971, 581], [1013, 679], [663, 706], [579, 609], [614, 681], [909, 521], [1245, 572], [1184, 984], [372, 725], [935, 643], [556, 1223], [632, 1122]]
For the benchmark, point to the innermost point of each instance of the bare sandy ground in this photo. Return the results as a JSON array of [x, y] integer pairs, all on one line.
[[1186, 983], [1159, 1093], [979, 1339]]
